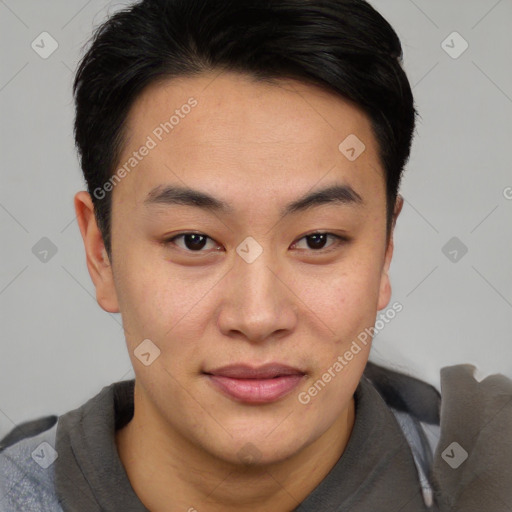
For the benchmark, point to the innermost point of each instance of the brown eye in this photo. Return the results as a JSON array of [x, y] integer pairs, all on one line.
[[192, 242], [317, 241]]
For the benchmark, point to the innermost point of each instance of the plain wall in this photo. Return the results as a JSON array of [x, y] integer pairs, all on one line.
[[59, 348]]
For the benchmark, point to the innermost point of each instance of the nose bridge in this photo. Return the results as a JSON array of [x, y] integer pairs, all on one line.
[[257, 301], [257, 283]]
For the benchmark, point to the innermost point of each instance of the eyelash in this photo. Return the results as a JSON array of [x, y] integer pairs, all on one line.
[[339, 240]]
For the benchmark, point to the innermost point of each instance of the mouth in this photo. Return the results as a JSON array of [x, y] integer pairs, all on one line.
[[263, 384]]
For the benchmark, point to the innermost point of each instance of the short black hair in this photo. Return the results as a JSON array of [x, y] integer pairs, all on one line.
[[344, 46]]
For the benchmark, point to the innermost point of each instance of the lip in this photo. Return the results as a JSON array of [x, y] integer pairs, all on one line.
[[246, 371], [249, 384]]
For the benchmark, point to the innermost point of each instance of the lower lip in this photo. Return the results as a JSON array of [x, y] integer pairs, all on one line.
[[257, 391]]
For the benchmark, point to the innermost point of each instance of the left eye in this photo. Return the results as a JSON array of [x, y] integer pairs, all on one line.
[[194, 242], [317, 240]]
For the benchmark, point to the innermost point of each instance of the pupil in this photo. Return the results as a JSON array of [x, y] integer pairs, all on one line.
[[316, 237], [195, 240]]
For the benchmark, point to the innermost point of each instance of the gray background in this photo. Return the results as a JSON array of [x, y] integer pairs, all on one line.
[[59, 348]]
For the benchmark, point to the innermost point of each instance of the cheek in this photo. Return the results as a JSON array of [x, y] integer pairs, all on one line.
[[347, 305], [161, 304], [146, 296], [344, 299]]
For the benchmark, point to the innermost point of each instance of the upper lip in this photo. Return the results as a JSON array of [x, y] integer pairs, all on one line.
[[245, 371]]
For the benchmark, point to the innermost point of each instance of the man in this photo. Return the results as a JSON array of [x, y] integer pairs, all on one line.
[[243, 160]]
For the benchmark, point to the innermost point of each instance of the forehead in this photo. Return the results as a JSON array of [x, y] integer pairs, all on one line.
[[226, 132]]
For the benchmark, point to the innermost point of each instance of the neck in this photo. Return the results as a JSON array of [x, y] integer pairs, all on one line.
[[167, 472]]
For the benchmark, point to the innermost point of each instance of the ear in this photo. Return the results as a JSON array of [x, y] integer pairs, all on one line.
[[385, 284], [98, 262]]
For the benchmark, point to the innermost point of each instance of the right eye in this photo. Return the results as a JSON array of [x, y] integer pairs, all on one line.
[[191, 242]]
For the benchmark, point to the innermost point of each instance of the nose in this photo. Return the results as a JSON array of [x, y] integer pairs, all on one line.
[[258, 302]]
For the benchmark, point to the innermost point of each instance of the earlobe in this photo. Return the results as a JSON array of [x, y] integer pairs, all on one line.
[[385, 282], [384, 291], [399, 203], [97, 259]]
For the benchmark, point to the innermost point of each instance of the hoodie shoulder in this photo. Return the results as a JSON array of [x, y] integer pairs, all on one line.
[[27, 429], [27, 455], [472, 462]]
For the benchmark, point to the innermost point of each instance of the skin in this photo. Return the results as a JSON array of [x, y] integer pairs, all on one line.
[[258, 147]]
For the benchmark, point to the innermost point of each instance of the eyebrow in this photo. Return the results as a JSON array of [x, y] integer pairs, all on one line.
[[171, 195]]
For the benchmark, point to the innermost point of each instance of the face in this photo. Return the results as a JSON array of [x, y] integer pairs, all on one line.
[[244, 277]]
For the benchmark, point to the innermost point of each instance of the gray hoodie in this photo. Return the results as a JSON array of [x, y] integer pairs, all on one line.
[[409, 450]]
